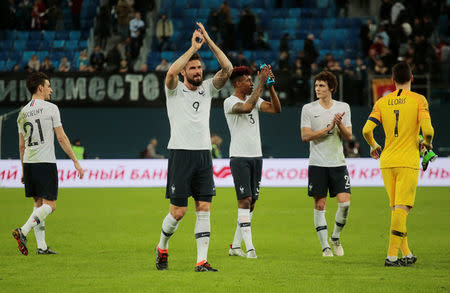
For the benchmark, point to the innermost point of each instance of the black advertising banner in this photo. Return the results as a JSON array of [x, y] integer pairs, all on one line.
[[87, 89]]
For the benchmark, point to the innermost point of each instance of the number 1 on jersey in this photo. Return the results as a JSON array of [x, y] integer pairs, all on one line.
[[397, 113]]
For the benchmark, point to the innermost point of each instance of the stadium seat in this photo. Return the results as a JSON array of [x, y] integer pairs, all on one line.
[[33, 44], [6, 45], [62, 35], [212, 65], [35, 35], [27, 55], [71, 45], [294, 12], [58, 44], [329, 23], [290, 23], [194, 3], [10, 34], [56, 55], [190, 13], [297, 45], [82, 44], [19, 45], [10, 64], [22, 35], [203, 12], [3, 55], [42, 54], [168, 55], [75, 35], [49, 35], [15, 55], [44, 45]]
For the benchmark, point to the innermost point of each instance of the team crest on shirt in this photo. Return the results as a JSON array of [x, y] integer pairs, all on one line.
[[241, 188], [172, 188]]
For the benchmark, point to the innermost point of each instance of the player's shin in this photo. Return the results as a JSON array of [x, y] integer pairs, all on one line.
[[202, 234], [320, 223], [397, 232], [169, 226], [237, 236], [245, 227], [38, 216], [340, 219], [39, 233]]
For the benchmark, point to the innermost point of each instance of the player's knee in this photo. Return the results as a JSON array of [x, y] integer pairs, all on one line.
[[245, 203], [178, 214]]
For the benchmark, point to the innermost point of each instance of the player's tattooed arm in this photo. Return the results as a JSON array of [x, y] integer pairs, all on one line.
[[248, 106], [180, 63], [222, 76]]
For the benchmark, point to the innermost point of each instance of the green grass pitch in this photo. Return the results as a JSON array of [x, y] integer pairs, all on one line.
[[106, 240]]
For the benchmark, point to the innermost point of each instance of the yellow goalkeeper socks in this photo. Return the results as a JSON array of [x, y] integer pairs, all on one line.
[[398, 231]]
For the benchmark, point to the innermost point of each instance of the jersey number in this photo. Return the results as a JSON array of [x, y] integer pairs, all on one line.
[[397, 113], [41, 136], [252, 120]]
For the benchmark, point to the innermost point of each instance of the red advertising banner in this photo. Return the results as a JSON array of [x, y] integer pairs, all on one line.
[[153, 173]]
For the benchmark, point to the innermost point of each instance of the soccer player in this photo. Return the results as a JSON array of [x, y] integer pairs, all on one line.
[[190, 170], [38, 122], [324, 124], [241, 111], [402, 113]]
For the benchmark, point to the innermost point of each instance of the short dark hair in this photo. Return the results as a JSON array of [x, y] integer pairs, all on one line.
[[238, 72], [329, 78], [401, 73], [34, 80], [196, 56]]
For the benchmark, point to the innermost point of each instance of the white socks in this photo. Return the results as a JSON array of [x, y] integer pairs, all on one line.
[[245, 227], [340, 219], [202, 233], [39, 215], [237, 234], [169, 226], [321, 227], [39, 233]]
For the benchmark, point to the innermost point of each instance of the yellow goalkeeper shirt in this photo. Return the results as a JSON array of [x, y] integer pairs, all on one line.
[[400, 113]]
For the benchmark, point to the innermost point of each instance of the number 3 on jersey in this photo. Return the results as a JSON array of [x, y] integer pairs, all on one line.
[[31, 128], [250, 117]]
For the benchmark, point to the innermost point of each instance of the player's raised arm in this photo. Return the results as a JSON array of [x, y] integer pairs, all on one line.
[[172, 74], [221, 77], [248, 106], [65, 145], [274, 106]]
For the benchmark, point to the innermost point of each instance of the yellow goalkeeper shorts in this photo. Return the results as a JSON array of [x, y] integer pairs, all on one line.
[[401, 184]]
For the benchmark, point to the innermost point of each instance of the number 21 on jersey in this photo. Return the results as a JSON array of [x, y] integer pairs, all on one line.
[[28, 126]]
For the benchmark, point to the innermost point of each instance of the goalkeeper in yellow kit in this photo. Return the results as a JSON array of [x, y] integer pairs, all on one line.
[[402, 113]]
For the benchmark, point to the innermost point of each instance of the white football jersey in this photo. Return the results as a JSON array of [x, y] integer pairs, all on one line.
[[244, 129], [188, 113], [326, 151], [36, 122]]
